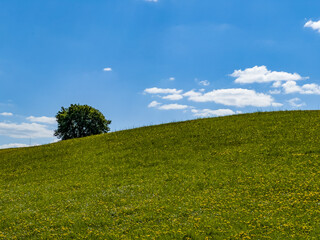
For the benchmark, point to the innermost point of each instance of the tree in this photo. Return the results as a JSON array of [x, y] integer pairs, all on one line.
[[80, 121]]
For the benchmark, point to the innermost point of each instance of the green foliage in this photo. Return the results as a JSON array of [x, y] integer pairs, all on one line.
[[80, 121], [250, 176]]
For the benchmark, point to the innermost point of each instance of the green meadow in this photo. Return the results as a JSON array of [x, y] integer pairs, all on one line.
[[248, 176]]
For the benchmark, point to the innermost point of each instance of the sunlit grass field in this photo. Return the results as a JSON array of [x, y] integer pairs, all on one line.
[[250, 176]]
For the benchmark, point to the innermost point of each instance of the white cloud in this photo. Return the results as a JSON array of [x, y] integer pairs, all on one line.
[[212, 113], [173, 97], [156, 90], [108, 69], [25, 130], [154, 104], [275, 104], [277, 84], [172, 79], [292, 87], [296, 102], [173, 106], [48, 120], [7, 114], [151, 0], [192, 93], [204, 83], [275, 91], [13, 145], [262, 74], [311, 88], [233, 97], [313, 25]]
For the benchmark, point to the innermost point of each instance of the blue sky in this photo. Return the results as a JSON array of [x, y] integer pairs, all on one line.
[[148, 62]]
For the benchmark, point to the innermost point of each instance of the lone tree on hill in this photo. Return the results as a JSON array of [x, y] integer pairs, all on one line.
[[80, 121]]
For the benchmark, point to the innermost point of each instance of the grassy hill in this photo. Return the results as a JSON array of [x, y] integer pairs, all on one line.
[[238, 177]]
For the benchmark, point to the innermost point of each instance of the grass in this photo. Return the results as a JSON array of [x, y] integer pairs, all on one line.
[[250, 176]]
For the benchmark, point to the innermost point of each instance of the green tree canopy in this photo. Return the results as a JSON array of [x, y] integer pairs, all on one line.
[[80, 121]]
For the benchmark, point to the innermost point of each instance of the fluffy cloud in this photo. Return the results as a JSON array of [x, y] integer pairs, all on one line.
[[172, 79], [313, 25], [173, 97], [204, 83], [156, 90], [212, 113], [7, 114], [292, 87], [296, 102], [275, 104], [233, 97], [25, 130], [108, 69], [173, 106], [277, 84], [48, 120], [13, 145], [192, 93], [276, 91], [311, 88], [154, 104], [262, 74]]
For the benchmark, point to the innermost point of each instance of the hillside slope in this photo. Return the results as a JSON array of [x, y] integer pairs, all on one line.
[[237, 177]]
